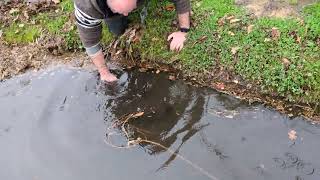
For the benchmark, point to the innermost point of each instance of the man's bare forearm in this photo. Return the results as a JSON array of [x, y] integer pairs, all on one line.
[[184, 20], [98, 61]]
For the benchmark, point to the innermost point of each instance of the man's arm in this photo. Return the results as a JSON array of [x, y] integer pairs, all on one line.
[[90, 30], [178, 38], [184, 20]]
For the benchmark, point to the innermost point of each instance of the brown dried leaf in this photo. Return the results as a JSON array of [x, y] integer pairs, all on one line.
[[230, 17], [143, 70], [292, 135], [219, 85], [138, 114], [158, 71], [234, 50], [172, 78], [14, 10], [202, 39], [154, 39], [231, 33], [26, 15], [286, 62], [267, 40], [56, 1], [221, 22], [298, 40], [250, 28], [234, 20], [170, 7], [275, 33]]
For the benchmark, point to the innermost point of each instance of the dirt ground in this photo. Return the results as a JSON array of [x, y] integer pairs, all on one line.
[[18, 59], [275, 8]]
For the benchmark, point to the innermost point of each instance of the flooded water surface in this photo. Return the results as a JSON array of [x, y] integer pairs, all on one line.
[[58, 125]]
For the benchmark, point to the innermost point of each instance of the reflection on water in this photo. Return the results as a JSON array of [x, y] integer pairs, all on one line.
[[171, 110]]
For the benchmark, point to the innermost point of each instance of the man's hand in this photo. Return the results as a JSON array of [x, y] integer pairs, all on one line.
[[177, 40], [105, 74]]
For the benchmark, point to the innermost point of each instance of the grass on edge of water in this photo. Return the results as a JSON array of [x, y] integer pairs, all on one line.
[[288, 65]]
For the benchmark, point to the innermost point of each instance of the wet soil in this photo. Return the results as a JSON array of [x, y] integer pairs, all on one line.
[[275, 8], [58, 131]]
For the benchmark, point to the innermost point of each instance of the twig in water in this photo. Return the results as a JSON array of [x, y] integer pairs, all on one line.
[[132, 143]]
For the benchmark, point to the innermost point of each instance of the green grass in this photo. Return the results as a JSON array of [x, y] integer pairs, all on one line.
[[18, 33], [259, 58], [53, 24]]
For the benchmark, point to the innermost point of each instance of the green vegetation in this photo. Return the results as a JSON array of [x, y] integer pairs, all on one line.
[[20, 33], [280, 55]]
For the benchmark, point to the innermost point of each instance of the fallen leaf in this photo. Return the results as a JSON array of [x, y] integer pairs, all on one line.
[[234, 20], [292, 135], [21, 25], [26, 15], [170, 7], [236, 81], [202, 39], [172, 78], [275, 33], [231, 33], [221, 22], [250, 28], [143, 70], [219, 86], [154, 39], [56, 1], [286, 62], [1, 32], [118, 52], [230, 17], [14, 10], [138, 114], [267, 39], [234, 50], [158, 71], [298, 40]]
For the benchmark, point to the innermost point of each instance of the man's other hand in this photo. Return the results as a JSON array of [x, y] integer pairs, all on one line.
[[177, 40]]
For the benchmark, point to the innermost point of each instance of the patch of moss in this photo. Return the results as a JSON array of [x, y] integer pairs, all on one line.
[[18, 33]]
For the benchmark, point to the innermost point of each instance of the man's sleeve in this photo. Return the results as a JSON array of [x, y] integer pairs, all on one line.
[[90, 30], [182, 6]]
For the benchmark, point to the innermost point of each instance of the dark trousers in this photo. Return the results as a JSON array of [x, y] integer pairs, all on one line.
[[117, 24]]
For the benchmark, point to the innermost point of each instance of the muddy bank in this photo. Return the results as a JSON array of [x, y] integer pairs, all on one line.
[[15, 60], [62, 133]]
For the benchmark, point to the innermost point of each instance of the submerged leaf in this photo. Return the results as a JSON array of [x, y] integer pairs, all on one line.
[[292, 135], [138, 114]]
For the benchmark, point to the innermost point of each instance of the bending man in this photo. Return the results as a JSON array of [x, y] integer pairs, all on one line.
[[90, 14]]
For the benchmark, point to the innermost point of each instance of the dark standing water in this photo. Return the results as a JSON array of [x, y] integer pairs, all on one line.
[[53, 127]]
